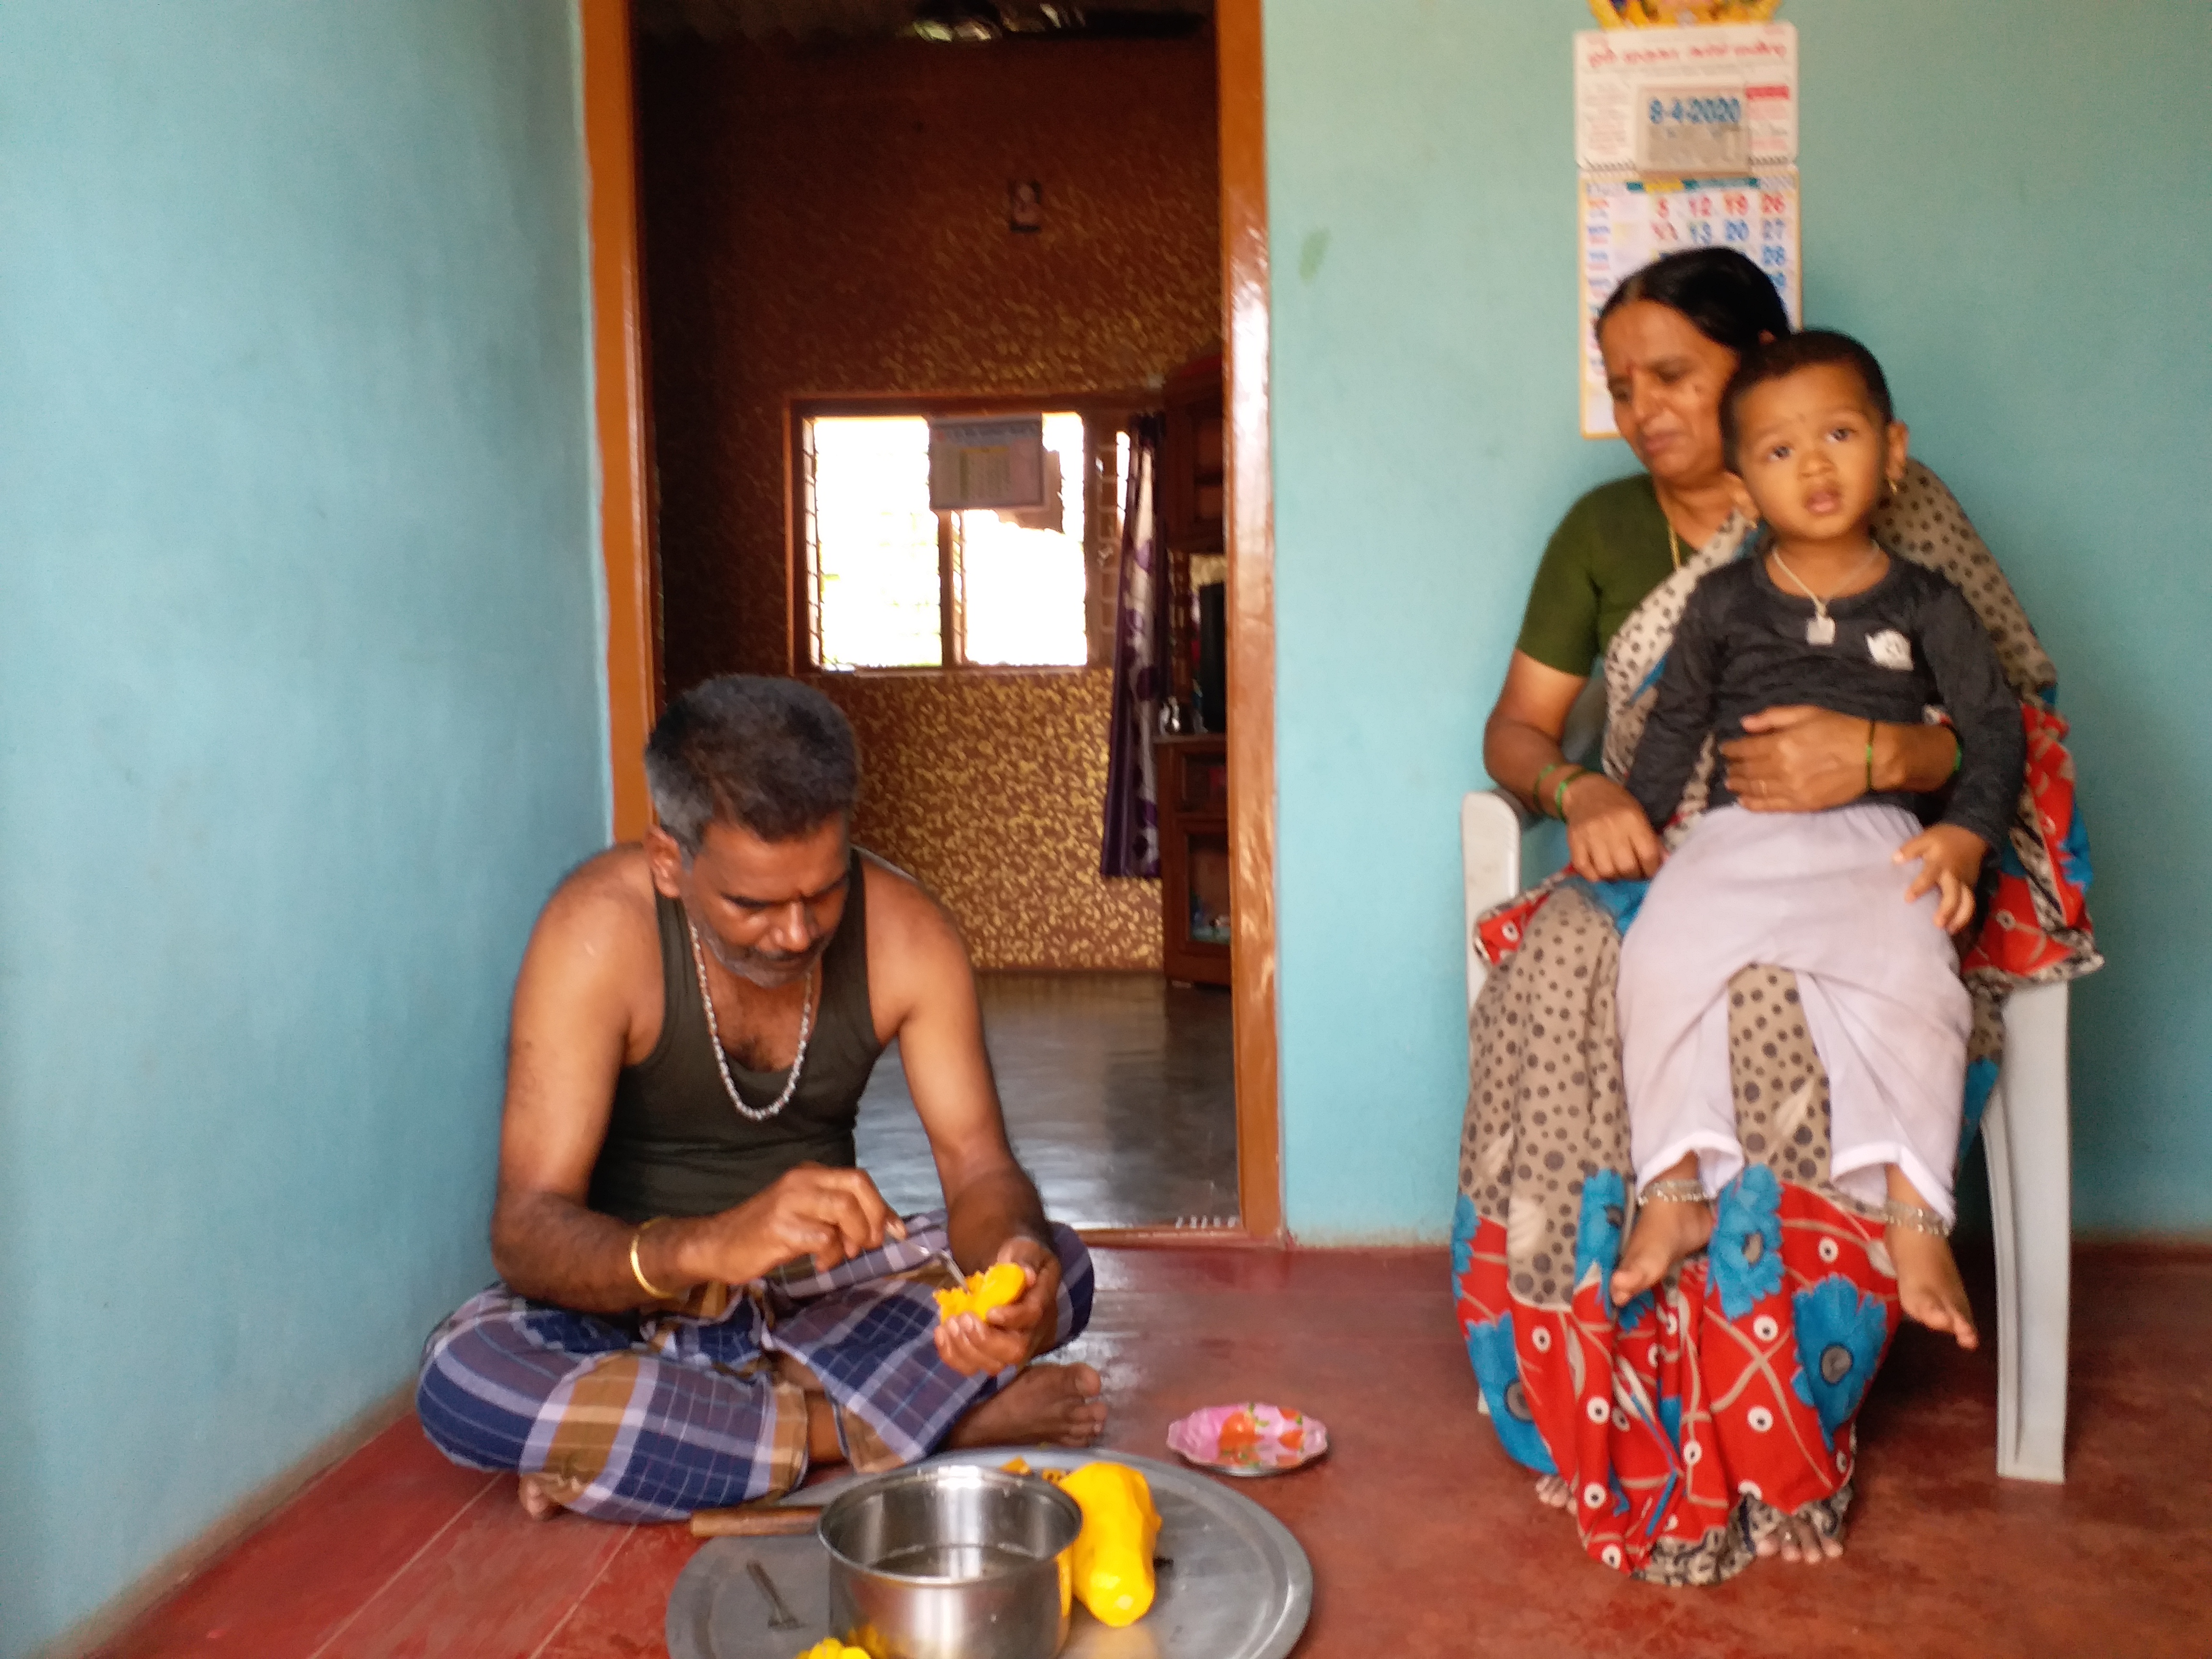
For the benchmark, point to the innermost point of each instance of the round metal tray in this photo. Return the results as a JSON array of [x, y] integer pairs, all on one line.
[[1238, 1586]]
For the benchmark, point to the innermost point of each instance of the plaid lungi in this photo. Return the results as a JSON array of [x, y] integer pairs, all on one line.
[[649, 1416]]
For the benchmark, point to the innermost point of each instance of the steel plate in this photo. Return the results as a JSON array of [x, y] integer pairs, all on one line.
[[1240, 1586]]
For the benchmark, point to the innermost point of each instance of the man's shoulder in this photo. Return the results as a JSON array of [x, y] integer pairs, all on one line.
[[915, 946], [591, 975], [608, 896], [898, 905]]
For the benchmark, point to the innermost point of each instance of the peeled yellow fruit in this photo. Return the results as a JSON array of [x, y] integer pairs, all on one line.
[[830, 1648], [995, 1287], [1114, 1553]]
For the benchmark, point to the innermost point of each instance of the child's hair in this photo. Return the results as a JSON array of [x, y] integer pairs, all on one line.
[[1814, 349]]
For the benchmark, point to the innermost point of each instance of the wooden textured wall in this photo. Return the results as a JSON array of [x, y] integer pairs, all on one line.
[[832, 222]]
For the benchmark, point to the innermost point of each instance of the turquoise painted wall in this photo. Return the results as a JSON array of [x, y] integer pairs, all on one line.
[[2011, 201], [300, 719]]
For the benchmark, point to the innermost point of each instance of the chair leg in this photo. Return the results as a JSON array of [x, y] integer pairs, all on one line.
[[2027, 1137]]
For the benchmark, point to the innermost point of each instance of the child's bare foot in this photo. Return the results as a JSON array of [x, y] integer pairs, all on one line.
[[1553, 1492], [1667, 1227], [1928, 1287]]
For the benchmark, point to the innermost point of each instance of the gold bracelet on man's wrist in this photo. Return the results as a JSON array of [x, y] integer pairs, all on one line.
[[637, 1272]]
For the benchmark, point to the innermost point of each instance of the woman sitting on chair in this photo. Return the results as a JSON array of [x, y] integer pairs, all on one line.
[[1710, 1419]]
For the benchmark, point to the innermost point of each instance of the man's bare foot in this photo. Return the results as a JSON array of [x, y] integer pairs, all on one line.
[[1046, 1405], [1665, 1232], [1800, 1539], [1928, 1287], [544, 1496], [1553, 1492]]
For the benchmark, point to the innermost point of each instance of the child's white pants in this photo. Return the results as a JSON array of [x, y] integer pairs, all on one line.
[[1878, 981]]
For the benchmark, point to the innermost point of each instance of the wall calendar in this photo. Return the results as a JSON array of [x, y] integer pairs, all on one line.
[[1626, 223], [1684, 137]]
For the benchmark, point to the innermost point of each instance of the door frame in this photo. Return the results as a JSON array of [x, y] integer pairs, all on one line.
[[621, 427]]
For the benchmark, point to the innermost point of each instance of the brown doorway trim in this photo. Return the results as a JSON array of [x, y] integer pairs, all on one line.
[[1252, 613], [622, 416]]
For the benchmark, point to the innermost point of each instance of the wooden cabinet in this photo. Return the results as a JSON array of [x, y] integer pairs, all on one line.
[[1194, 490], [1193, 781], [1194, 499]]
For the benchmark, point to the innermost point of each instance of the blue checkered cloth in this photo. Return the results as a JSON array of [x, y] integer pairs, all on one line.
[[649, 1416]]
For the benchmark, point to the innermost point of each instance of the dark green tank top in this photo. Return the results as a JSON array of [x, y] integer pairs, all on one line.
[[675, 1145]]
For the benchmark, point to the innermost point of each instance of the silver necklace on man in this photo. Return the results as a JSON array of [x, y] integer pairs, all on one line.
[[715, 1038]]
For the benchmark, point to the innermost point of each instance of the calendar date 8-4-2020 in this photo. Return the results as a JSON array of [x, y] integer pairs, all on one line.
[[1695, 112]]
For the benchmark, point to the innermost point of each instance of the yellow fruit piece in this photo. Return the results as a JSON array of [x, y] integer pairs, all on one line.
[[1021, 1466], [830, 1648], [1114, 1553], [995, 1287]]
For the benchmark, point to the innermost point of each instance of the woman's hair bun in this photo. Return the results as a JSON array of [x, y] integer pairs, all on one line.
[[1729, 300]]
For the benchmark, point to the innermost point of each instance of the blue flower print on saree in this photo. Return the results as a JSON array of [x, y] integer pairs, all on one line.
[[1840, 1333], [1746, 1248], [1636, 1312], [1619, 900], [1597, 1229], [1981, 1083], [1497, 1367], [1464, 1223], [2073, 856]]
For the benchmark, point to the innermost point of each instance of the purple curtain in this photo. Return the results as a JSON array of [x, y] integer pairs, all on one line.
[[1132, 843]]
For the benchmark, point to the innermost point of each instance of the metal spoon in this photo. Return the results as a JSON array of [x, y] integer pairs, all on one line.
[[779, 1616]]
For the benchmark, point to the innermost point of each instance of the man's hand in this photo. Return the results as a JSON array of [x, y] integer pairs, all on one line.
[[1798, 759], [1608, 837], [832, 1215], [1013, 1334], [1950, 862]]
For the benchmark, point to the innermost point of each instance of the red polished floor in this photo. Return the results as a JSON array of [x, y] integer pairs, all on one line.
[[1424, 1539]]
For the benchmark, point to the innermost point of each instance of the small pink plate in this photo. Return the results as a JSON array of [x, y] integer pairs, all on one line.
[[1248, 1439]]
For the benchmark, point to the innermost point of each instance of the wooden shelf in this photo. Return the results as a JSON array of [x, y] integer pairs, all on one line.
[[1194, 862]]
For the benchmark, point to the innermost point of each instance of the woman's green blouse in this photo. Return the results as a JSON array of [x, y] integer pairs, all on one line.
[[1608, 552]]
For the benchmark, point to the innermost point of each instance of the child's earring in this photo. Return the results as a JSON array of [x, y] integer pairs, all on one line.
[[1890, 495]]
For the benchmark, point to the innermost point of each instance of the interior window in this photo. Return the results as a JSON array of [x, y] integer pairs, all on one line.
[[891, 584]]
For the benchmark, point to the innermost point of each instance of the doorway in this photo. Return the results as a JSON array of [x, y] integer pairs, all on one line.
[[883, 147]]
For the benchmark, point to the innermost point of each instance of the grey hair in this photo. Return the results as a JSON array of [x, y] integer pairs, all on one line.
[[771, 756]]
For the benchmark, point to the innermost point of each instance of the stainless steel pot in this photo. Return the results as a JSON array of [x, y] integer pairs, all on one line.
[[954, 1562]]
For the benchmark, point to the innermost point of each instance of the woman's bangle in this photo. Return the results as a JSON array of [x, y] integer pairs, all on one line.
[[1559, 793], [1536, 789], [637, 1272], [1958, 751], [1870, 730]]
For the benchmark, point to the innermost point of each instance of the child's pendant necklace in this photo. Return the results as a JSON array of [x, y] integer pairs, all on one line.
[[1821, 631]]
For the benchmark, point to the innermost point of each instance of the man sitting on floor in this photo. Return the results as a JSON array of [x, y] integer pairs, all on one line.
[[698, 1293]]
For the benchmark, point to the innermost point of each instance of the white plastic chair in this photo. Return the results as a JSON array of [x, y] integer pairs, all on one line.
[[2025, 1133]]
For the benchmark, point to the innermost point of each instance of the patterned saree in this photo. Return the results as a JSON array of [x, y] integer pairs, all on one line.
[[1691, 1422]]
